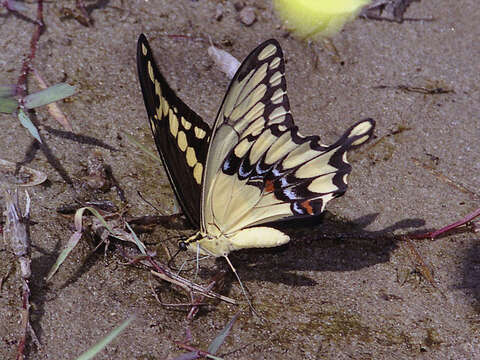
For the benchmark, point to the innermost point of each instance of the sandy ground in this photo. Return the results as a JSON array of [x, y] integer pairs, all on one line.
[[344, 288]]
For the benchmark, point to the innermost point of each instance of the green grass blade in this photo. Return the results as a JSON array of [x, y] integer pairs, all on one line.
[[27, 124], [139, 244], [94, 350], [218, 341], [143, 148]]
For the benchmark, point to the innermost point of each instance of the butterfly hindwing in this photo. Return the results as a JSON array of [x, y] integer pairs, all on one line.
[[180, 134], [259, 168]]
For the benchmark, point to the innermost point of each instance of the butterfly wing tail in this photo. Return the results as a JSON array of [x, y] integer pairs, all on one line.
[[357, 135]]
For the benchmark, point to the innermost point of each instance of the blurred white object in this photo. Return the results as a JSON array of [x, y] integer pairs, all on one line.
[[224, 61]]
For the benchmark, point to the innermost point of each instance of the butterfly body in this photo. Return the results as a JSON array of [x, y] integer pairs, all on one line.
[[253, 166], [218, 244]]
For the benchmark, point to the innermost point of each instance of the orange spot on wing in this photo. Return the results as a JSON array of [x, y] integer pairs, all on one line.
[[306, 205], [269, 186]]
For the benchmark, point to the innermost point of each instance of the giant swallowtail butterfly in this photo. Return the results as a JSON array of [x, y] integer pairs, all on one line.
[[253, 166]]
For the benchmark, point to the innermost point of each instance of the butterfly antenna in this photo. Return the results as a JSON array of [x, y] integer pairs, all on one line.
[[170, 262], [241, 286], [148, 202]]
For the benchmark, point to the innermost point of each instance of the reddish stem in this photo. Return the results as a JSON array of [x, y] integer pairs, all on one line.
[[21, 88], [456, 224], [191, 348]]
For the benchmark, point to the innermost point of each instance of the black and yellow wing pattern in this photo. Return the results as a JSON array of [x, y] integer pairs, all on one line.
[[180, 134], [259, 168]]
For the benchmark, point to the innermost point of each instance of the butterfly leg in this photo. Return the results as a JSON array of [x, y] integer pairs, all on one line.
[[241, 286]]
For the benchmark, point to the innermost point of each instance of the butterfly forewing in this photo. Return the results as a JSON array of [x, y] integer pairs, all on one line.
[[255, 99], [180, 134]]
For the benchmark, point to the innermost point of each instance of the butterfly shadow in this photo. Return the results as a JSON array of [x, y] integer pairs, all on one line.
[[321, 244], [470, 283]]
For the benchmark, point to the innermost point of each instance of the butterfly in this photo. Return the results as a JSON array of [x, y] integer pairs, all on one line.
[[253, 166]]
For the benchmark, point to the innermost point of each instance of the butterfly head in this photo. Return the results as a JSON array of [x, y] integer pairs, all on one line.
[[182, 245]]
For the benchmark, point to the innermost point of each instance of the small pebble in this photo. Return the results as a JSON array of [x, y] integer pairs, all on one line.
[[247, 15], [238, 5], [219, 12]]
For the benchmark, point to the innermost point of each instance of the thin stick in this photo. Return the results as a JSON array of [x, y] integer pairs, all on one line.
[[183, 283], [446, 179], [241, 285]]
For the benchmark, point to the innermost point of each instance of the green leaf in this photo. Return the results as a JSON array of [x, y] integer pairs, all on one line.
[[94, 350], [51, 94], [218, 341], [27, 124]]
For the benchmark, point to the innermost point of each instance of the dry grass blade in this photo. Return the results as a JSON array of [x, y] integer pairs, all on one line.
[[53, 108], [75, 238], [17, 230]]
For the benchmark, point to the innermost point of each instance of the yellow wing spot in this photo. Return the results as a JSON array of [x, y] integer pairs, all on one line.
[[197, 172], [158, 89], [254, 97], [360, 140], [253, 83], [323, 184], [150, 71], [277, 96], [300, 155], [242, 148], [276, 78], [277, 120], [173, 123], [361, 128], [281, 147], [233, 94], [144, 50], [279, 111], [175, 110], [152, 124], [254, 113], [318, 165], [254, 127], [274, 63], [199, 133], [182, 141], [185, 123], [190, 156], [164, 106], [261, 145], [267, 51], [158, 115]]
